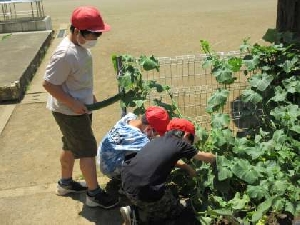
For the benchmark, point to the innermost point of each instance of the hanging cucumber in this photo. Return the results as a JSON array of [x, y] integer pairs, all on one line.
[[104, 103], [110, 100]]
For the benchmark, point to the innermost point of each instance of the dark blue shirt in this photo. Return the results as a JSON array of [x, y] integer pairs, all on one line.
[[144, 175]]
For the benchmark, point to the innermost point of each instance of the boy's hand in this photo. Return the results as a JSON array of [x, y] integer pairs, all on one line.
[[205, 157], [78, 107]]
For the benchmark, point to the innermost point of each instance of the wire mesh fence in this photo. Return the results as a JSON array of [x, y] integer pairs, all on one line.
[[192, 86]]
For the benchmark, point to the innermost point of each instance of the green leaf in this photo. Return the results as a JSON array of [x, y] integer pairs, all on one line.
[[217, 100], [262, 209], [238, 203], [251, 96], [114, 61], [271, 35], [243, 170], [279, 136], [290, 207], [286, 114], [279, 187], [222, 137], [254, 152], [223, 75], [205, 46], [251, 62], [204, 220], [223, 166], [280, 94], [139, 103], [245, 46], [257, 192], [235, 64], [201, 133], [149, 63], [126, 80], [296, 128], [289, 65], [159, 88], [292, 85], [260, 81], [220, 120], [278, 204]]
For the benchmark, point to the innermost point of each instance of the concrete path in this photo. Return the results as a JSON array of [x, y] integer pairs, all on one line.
[[29, 172]]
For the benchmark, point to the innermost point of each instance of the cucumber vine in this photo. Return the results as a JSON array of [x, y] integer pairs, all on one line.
[[256, 179]]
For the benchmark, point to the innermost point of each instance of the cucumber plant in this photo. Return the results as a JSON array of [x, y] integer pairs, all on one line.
[[256, 176]]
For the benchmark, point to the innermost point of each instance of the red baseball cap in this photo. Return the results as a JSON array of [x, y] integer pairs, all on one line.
[[158, 118], [88, 18], [181, 124]]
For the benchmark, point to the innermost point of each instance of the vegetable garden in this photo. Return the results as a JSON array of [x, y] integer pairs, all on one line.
[[248, 117]]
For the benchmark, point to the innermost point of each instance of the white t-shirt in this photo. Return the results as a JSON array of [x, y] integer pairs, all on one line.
[[71, 67]]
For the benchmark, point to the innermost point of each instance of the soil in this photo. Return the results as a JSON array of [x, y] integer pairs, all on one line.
[[30, 142]]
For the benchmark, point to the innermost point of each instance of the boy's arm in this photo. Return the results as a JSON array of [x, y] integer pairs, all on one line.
[[182, 165], [57, 92], [205, 157]]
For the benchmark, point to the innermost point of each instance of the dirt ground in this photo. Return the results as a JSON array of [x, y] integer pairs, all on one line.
[[30, 141]]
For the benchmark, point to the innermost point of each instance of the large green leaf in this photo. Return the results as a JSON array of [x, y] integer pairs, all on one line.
[[280, 94], [254, 152], [220, 120], [217, 100], [223, 75], [245, 171], [280, 137], [279, 187], [292, 84], [262, 209], [221, 137], [251, 61], [257, 192], [224, 168], [286, 114], [290, 207], [289, 65], [260, 81], [251, 96], [238, 203], [271, 35]]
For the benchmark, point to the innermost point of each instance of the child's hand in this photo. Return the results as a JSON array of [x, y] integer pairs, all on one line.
[[207, 157]]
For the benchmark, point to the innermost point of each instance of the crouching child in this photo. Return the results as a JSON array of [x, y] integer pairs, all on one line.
[[144, 177]]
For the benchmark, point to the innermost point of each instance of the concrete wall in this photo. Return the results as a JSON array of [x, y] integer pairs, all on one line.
[[25, 26]]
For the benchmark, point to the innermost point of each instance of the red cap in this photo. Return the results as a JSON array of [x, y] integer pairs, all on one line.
[[181, 124], [158, 118], [88, 18]]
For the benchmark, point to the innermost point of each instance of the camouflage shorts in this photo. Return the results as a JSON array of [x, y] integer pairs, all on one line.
[[167, 207]]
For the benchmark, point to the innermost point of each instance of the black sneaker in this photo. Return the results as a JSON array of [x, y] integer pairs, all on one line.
[[128, 214], [73, 187], [102, 199]]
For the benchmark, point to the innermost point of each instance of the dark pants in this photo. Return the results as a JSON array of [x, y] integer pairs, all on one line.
[[168, 207]]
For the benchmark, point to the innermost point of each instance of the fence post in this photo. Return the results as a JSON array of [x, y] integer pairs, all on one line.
[[120, 89]]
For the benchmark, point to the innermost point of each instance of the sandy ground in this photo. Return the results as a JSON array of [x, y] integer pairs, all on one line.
[[30, 142]]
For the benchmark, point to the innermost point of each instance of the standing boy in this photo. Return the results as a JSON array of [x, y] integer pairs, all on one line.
[[69, 81], [144, 176]]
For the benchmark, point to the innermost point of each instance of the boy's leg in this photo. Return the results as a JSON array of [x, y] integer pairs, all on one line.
[[88, 169], [67, 163]]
